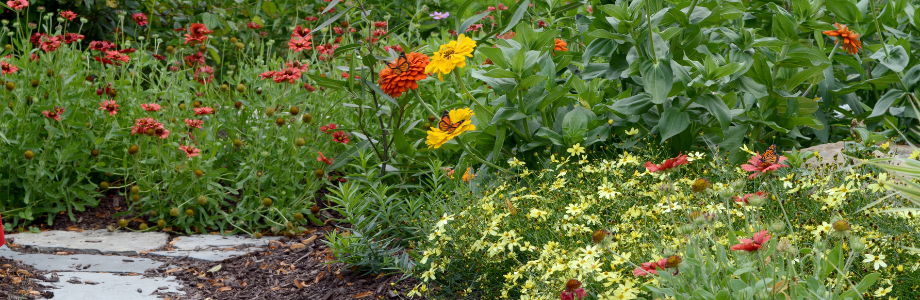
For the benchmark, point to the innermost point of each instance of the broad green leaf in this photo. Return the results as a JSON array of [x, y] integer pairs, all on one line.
[[518, 14], [784, 29], [717, 108], [672, 122], [575, 124], [507, 114], [846, 10], [881, 107], [496, 55], [635, 105], [656, 77], [896, 59], [552, 136]]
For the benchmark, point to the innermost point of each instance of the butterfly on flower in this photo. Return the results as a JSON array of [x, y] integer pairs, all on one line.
[[400, 65], [446, 125], [770, 157]]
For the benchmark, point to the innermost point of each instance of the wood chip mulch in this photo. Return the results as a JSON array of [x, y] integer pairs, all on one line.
[[293, 268], [20, 281]]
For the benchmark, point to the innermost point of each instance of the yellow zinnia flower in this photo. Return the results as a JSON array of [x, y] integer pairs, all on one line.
[[437, 137], [451, 55]]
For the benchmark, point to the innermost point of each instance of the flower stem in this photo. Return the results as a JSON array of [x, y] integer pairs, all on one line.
[[422, 102], [465, 90], [651, 40], [878, 31], [476, 155]]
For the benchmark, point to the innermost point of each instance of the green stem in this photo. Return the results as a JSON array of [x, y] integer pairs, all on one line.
[[878, 31], [422, 102], [692, 7], [465, 90], [477, 156], [651, 41]]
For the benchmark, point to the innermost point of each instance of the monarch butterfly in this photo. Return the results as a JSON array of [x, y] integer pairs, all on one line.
[[400, 65], [446, 124], [770, 156]]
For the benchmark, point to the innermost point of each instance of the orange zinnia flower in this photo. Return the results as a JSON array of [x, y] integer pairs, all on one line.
[[560, 46], [401, 75], [850, 39]]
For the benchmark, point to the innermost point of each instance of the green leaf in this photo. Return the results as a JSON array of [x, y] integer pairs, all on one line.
[[784, 29], [211, 20], [376, 88], [475, 18], [672, 122], [881, 107], [507, 114], [656, 77], [552, 136], [530, 81], [801, 56], [717, 108], [635, 105], [270, 8], [846, 10], [896, 59], [598, 47], [575, 124], [867, 282], [496, 55], [801, 76], [327, 82], [518, 14]]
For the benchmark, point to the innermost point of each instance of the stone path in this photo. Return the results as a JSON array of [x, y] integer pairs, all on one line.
[[103, 270]]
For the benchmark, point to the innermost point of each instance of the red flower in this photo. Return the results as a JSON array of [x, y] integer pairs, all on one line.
[[299, 44], [36, 39], [572, 289], [54, 114], [109, 106], [542, 24], [204, 74], [650, 267], [668, 164], [760, 167], [101, 45], [7, 68], [69, 15], [311, 19], [340, 137], [204, 111], [198, 34], [308, 87], [190, 151], [297, 65], [17, 4], [51, 43], [70, 38], [116, 56], [194, 123], [149, 126], [380, 24], [140, 19], [301, 32], [195, 59], [267, 74], [150, 107], [323, 158], [337, 30], [751, 245], [327, 127], [254, 25], [158, 57], [396, 48], [289, 74], [746, 197]]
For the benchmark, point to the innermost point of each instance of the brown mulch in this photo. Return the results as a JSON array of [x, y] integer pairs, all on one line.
[[289, 269], [21, 281], [98, 217]]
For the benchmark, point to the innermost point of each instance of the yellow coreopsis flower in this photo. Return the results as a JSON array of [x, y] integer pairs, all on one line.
[[451, 55], [457, 122]]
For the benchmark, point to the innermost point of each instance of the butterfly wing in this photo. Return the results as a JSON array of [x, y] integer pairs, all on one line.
[[770, 157], [445, 123], [400, 65]]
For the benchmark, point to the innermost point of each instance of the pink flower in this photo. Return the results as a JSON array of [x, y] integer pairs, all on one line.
[[572, 289], [140, 19], [340, 137], [751, 245], [299, 44], [7, 68], [70, 38], [54, 114], [109, 106], [190, 151], [746, 197], [204, 111], [491, 8], [668, 164], [254, 25], [323, 158], [760, 167], [17, 4], [194, 123], [150, 107], [650, 267], [69, 15], [501, 6], [301, 32], [289, 74]]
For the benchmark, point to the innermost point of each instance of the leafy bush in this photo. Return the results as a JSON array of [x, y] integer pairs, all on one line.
[[602, 221]]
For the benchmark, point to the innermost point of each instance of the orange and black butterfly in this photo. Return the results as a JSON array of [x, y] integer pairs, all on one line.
[[770, 157], [446, 125], [400, 65]]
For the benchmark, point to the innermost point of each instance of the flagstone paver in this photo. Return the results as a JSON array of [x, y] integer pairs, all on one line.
[[91, 241]]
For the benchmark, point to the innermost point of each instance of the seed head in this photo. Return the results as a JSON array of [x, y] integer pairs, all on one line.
[[10, 85], [103, 185], [279, 121], [237, 142], [143, 226], [572, 285], [238, 104], [136, 197], [170, 49], [307, 118], [224, 87], [173, 211], [267, 202], [319, 173], [841, 226], [300, 142], [189, 212], [298, 217], [202, 200], [314, 210], [701, 185], [122, 223], [94, 152], [161, 223], [599, 236], [294, 110], [134, 149], [199, 173], [29, 154], [35, 82], [673, 261]]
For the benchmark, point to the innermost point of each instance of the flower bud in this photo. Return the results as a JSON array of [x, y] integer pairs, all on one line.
[[857, 245], [267, 202], [240, 88], [777, 226], [161, 223], [756, 200], [294, 110], [173, 211], [202, 200], [300, 142], [29, 154], [189, 212], [103, 186], [785, 246], [269, 111], [134, 149], [307, 118], [199, 173], [240, 46], [841, 226]]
